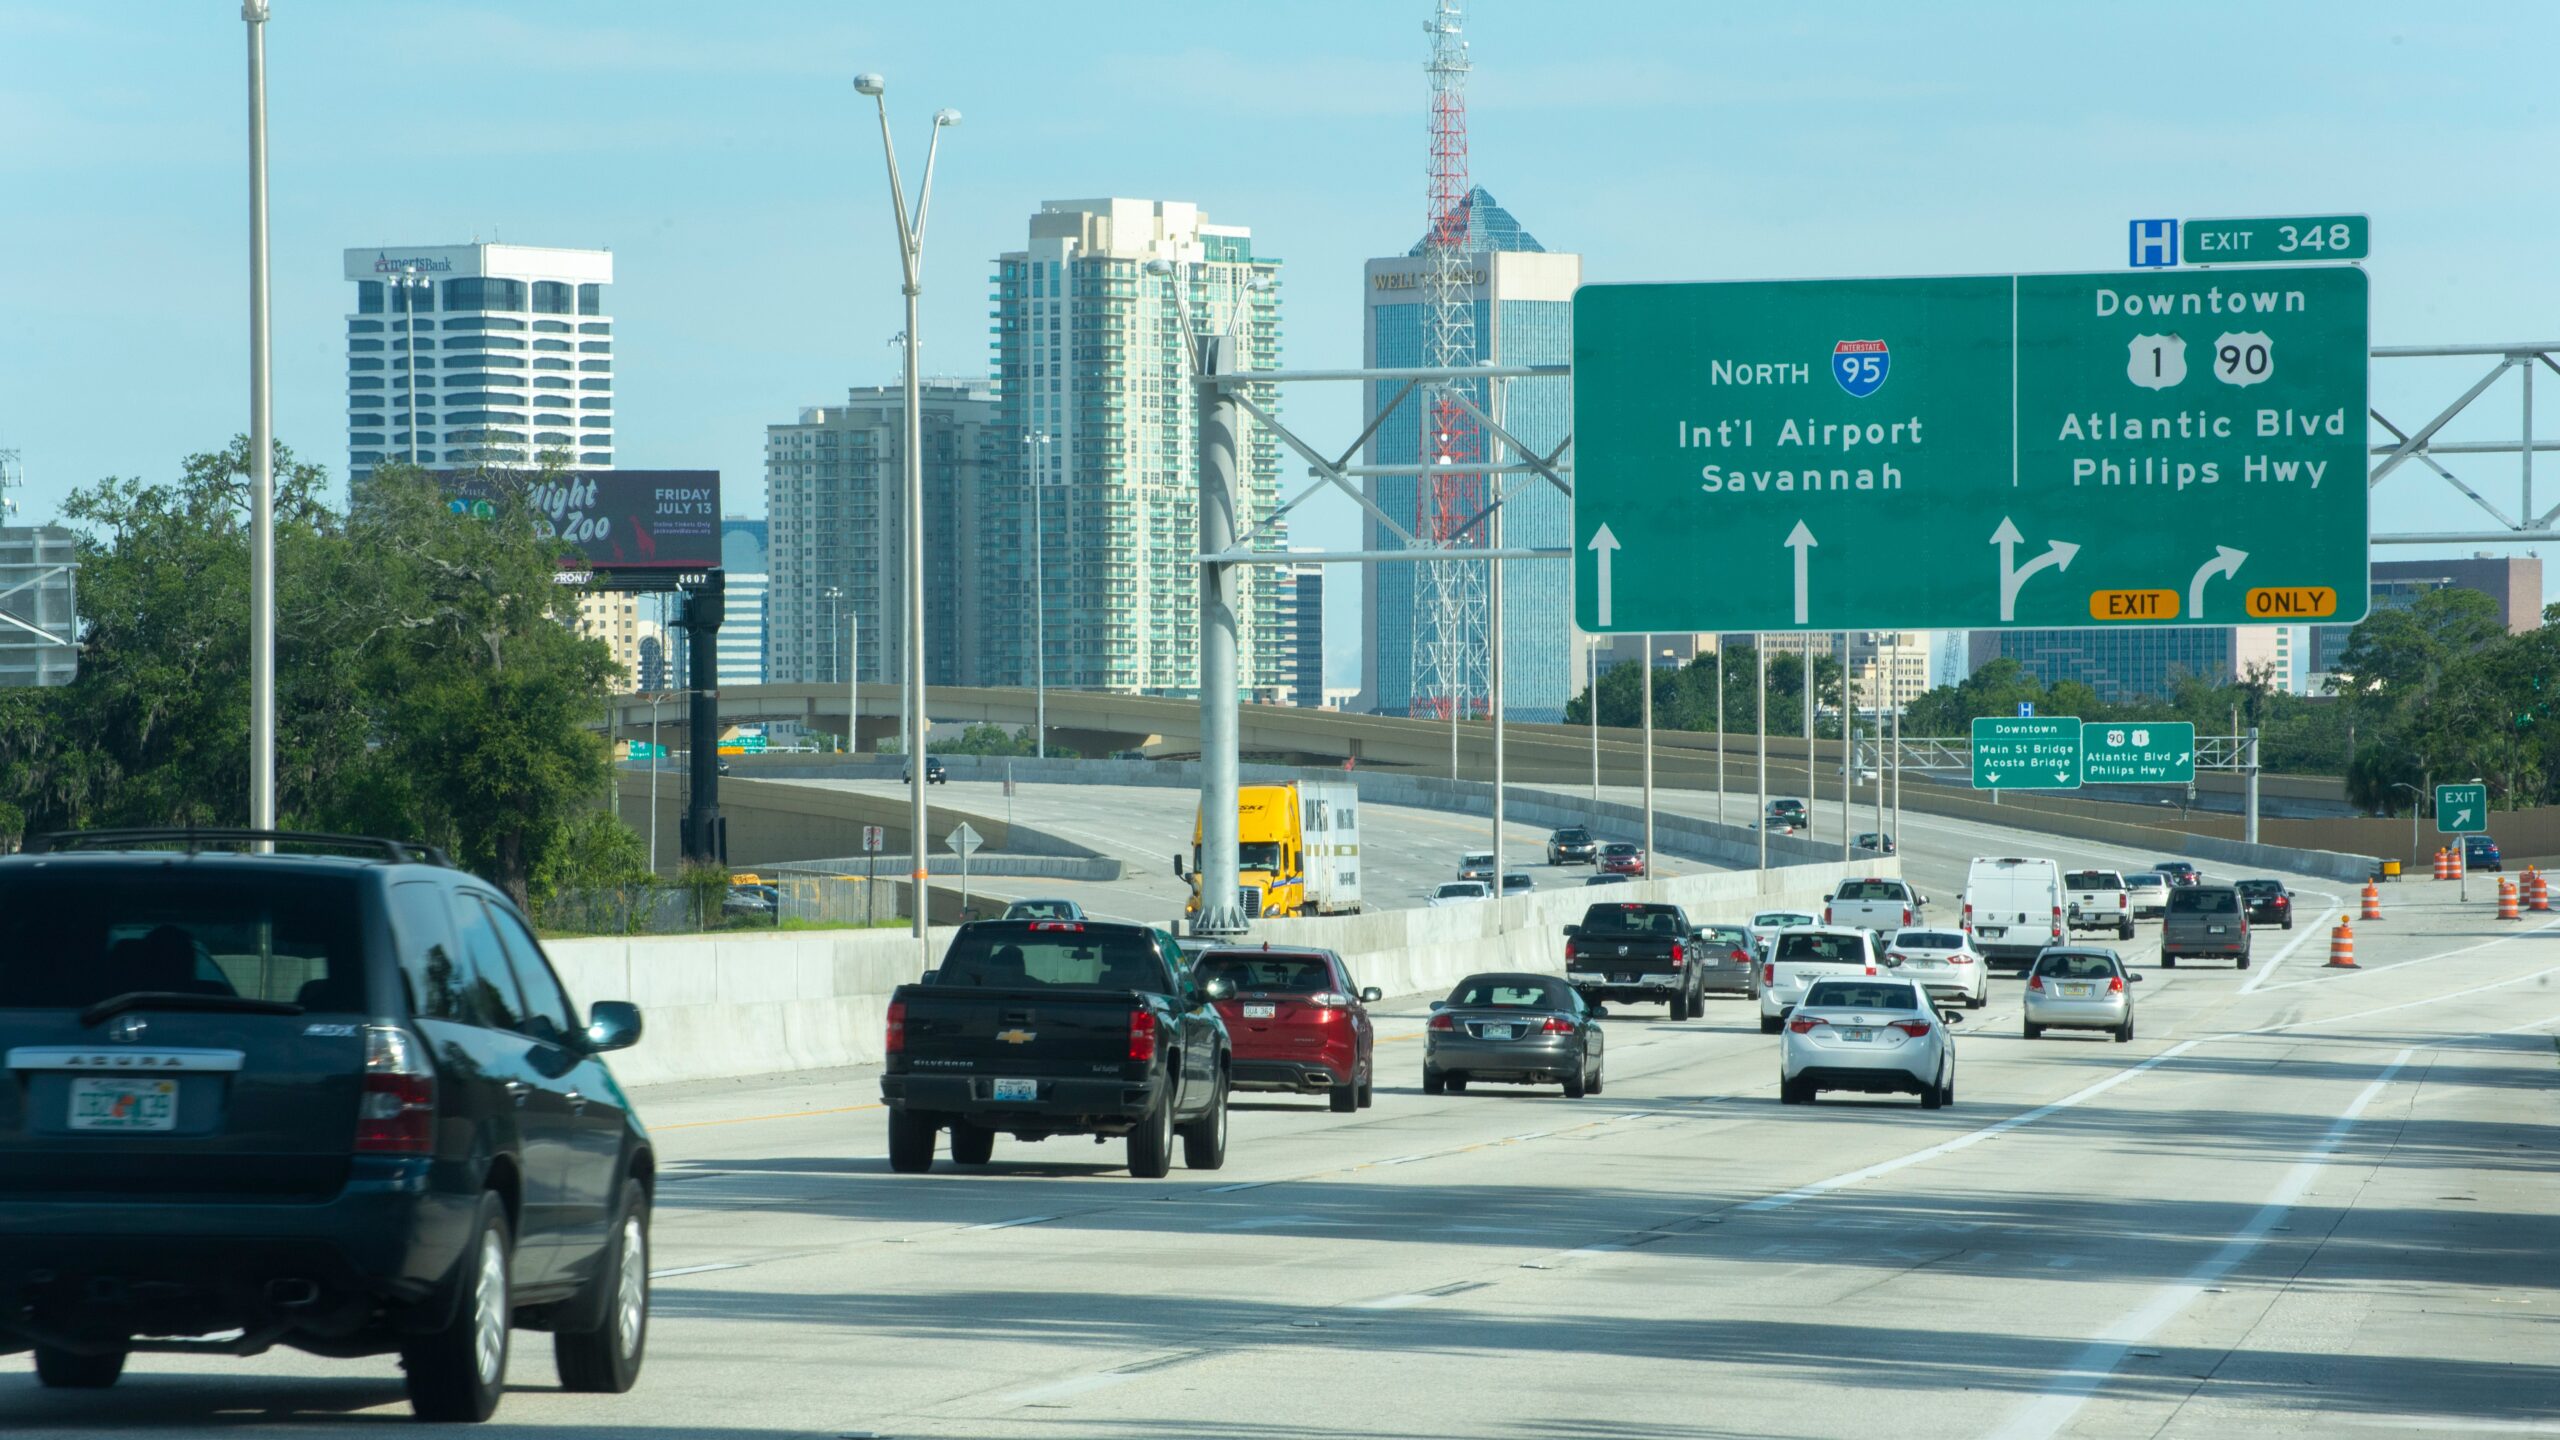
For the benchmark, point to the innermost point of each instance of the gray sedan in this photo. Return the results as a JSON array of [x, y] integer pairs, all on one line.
[[1518, 1029], [1730, 954], [2074, 988]]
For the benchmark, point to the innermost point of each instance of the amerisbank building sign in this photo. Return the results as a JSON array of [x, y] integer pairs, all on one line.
[[2176, 448]]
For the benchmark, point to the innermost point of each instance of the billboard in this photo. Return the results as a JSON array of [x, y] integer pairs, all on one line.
[[618, 520]]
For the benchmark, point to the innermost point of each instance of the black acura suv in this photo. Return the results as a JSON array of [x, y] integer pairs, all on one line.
[[331, 1097]]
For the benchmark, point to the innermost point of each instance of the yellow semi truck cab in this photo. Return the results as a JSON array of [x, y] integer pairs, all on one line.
[[1297, 850]]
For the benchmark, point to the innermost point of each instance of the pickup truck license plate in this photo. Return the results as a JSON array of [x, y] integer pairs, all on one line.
[[120, 1104], [2075, 992], [1260, 1012], [1013, 1089]]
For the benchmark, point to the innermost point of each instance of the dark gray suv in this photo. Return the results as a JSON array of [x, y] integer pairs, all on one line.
[[2206, 920], [333, 1101]]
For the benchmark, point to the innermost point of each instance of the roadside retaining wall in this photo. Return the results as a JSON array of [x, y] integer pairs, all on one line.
[[731, 1005]]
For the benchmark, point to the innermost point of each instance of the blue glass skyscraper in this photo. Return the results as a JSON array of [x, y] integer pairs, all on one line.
[[1523, 297]]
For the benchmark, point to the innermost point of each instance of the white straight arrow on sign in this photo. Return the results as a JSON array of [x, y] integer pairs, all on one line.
[[1604, 545], [2057, 554], [1801, 541]]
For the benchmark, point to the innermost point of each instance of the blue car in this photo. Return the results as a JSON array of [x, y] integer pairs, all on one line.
[[2479, 852]]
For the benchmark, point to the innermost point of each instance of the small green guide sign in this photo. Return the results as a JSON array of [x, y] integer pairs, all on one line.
[[2283, 240], [2038, 753], [2137, 752], [2462, 809]]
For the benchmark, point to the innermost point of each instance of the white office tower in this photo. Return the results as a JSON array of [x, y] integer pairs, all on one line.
[[460, 355]]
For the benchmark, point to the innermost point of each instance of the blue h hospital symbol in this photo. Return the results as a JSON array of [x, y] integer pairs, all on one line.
[[2154, 244]]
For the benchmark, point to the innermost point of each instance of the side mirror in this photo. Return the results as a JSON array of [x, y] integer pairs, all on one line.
[[2135, 976], [1439, 1004], [1177, 869], [612, 1025], [1573, 932], [930, 977], [1219, 988], [1952, 1017], [1371, 995], [1893, 962]]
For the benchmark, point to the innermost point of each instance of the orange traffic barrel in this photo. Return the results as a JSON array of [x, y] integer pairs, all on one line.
[[2372, 902], [2507, 900], [2444, 864], [2342, 946], [2537, 889]]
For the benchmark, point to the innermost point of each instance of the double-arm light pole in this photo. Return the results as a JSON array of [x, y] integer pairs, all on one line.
[[1036, 445], [911, 263]]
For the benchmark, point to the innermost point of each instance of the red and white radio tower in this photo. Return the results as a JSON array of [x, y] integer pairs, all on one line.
[[1452, 670]]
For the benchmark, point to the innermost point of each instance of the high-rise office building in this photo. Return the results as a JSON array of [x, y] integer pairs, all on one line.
[[1096, 404], [626, 623], [2512, 582], [745, 560], [464, 354], [836, 522], [2143, 664], [1523, 299], [1298, 610]]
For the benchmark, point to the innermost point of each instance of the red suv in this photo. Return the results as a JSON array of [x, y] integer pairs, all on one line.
[[1296, 1022]]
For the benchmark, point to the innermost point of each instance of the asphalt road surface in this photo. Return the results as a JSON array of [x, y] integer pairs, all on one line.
[[2302, 1202]]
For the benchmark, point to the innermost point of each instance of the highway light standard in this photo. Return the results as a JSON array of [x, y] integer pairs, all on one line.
[[1037, 442], [262, 479], [2415, 795], [407, 285], [911, 263]]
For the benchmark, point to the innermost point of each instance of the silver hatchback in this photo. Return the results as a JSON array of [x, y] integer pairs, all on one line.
[[2080, 988]]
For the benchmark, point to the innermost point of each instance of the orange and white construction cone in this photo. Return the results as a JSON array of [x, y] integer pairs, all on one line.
[[2444, 866], [2342, 946], [2537, 889], [2507, 900], [2372, 902]]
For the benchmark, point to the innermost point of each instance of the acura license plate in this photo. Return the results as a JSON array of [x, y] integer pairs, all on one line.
[[100, 1103], [1013, 1089], [1260, 1012]]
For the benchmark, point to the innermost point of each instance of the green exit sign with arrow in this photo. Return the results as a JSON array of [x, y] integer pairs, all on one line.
[[2462, 809], [2029, 753]]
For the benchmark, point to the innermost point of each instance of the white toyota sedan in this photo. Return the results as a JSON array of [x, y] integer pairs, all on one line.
[[1878, 1036]]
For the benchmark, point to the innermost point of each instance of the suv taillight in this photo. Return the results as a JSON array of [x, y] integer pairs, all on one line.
[[396, 1112], [896, 1043], [1142, 1035], [1769, 973]]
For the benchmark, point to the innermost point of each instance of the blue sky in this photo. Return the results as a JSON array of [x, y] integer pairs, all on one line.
[[720, 152]]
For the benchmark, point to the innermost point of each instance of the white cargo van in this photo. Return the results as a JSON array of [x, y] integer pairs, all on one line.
[[2013, 908]]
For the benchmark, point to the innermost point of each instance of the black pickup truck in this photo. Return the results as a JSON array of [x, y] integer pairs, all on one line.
[[1636, 951], [1034, 1028]]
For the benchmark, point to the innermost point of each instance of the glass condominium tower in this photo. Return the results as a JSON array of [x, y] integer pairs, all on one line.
[[1523, 297], [1094, 419], [465, 354]]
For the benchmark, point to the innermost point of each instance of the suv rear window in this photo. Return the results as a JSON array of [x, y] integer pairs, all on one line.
[[2192, 901], [1632, 920], [1114, 958], [1289, 974], [68, 941], [1814, 945]]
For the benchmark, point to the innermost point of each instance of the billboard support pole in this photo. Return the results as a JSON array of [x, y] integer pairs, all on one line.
[[704, 844]]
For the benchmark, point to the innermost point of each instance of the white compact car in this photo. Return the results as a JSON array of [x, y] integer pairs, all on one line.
[[1941, 961], [1876, 1036]]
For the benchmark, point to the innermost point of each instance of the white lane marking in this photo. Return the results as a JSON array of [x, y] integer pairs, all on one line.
[[697, 1269], [2421, 960], [2387, 1009], [1948, 1147], [1062, 1389], [2048, 1413], [2287, 952], [1009, 1224], [1245, 1185]]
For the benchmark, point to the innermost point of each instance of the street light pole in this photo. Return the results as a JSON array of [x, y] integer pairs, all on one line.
[[1038, 443], [406, 285], [262, 479], [911, 262]]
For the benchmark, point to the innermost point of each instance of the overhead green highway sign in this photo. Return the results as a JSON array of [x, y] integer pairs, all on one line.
[[2127, 448], [2042, 753], [2462, 809], [2282, 240], [2138, 752]]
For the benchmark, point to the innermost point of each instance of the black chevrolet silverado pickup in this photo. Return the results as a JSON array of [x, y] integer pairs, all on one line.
[[1034, 1028]]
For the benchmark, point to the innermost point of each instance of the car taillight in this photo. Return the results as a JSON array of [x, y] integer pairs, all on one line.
[[1906, 914], [1444, 1021], [896, 1044], [1142, 1034], [1557, 1025], [2115, 984], [1803, 1024], [2057, 922], [396, 1112], [1769, 973], [1959, 958], [1913, 1028], [1569, 951], [1826, 914], [1739, 957], [2282, 901], [1679, 956], [2035, 982], [1968, 915]]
